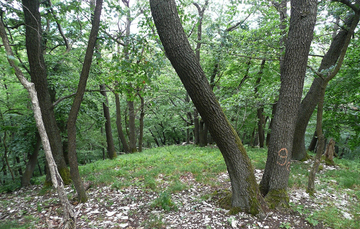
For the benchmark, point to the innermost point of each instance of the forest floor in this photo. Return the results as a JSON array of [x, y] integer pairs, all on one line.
[[193, 205]]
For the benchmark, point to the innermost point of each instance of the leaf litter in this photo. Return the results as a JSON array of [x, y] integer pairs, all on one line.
[[133, 207]]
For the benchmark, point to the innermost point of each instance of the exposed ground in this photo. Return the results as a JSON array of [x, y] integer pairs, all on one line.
[[133, 207]]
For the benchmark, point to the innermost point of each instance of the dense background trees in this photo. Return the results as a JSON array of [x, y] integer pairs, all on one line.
[[242, 46]]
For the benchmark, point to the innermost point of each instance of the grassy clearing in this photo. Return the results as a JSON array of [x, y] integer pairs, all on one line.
[[162, 167]]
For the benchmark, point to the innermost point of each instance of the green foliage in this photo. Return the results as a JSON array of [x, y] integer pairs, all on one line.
[[164, 202]]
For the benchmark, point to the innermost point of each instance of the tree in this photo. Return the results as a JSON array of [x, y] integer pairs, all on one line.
[[245, 193], [71, 124], [69, 214], [38, 73], [109, 138], [275, 178], [313, 96]]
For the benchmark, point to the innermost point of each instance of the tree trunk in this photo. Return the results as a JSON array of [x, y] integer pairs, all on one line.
[[329, 152], [120, 131], [141, 127], [245, 193], [311, 99], [260, 110], [30, 166], [313, 142], [38, 74], [321, 143], [71, 124], [196, 128], [69, 220], [109, 138], [132, 128], [271, 124], [274, 182]]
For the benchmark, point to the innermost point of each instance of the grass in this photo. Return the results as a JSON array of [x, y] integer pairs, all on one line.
[[162, 167]]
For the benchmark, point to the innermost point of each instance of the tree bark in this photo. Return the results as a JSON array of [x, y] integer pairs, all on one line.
[[69, 220], [120, 131], [245, 193], [313, 142], [311, 99], [71, 124], [275, 179], [132, 128], [109, 138], [321, 143], [31, 164], [141, 120], [260, 110], [38, 74]]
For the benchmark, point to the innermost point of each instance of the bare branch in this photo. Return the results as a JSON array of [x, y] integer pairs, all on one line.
[[316, 72]]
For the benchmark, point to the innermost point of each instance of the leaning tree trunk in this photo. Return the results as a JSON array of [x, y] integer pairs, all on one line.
[[245, 193], [38, 74], [274, 182], [71, 124], [109, 138], [311, 99], [69, 220]]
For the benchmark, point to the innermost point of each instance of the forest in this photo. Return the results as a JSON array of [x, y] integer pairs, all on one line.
[[246, 104]]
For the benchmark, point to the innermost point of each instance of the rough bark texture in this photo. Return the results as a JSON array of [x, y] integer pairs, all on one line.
[[31, 164], [329, 152], [120, 131], [71, 124], [311, 99], [109, 138], [245, 193], [38, 74], [69, 220], [275, 179]]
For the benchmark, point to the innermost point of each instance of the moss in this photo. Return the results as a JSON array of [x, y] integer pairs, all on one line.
[[278, 199], [307, 157], [311, 192], [329, 162], [321, 167], [65, 175]]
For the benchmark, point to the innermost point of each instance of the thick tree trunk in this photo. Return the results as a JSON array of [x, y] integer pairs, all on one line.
[[311, 99], [109, 138], [69, 220], [31, 164], [71, 124], [274, 182], [38, 74], [120, 131], [245, 192], [132, 128]]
